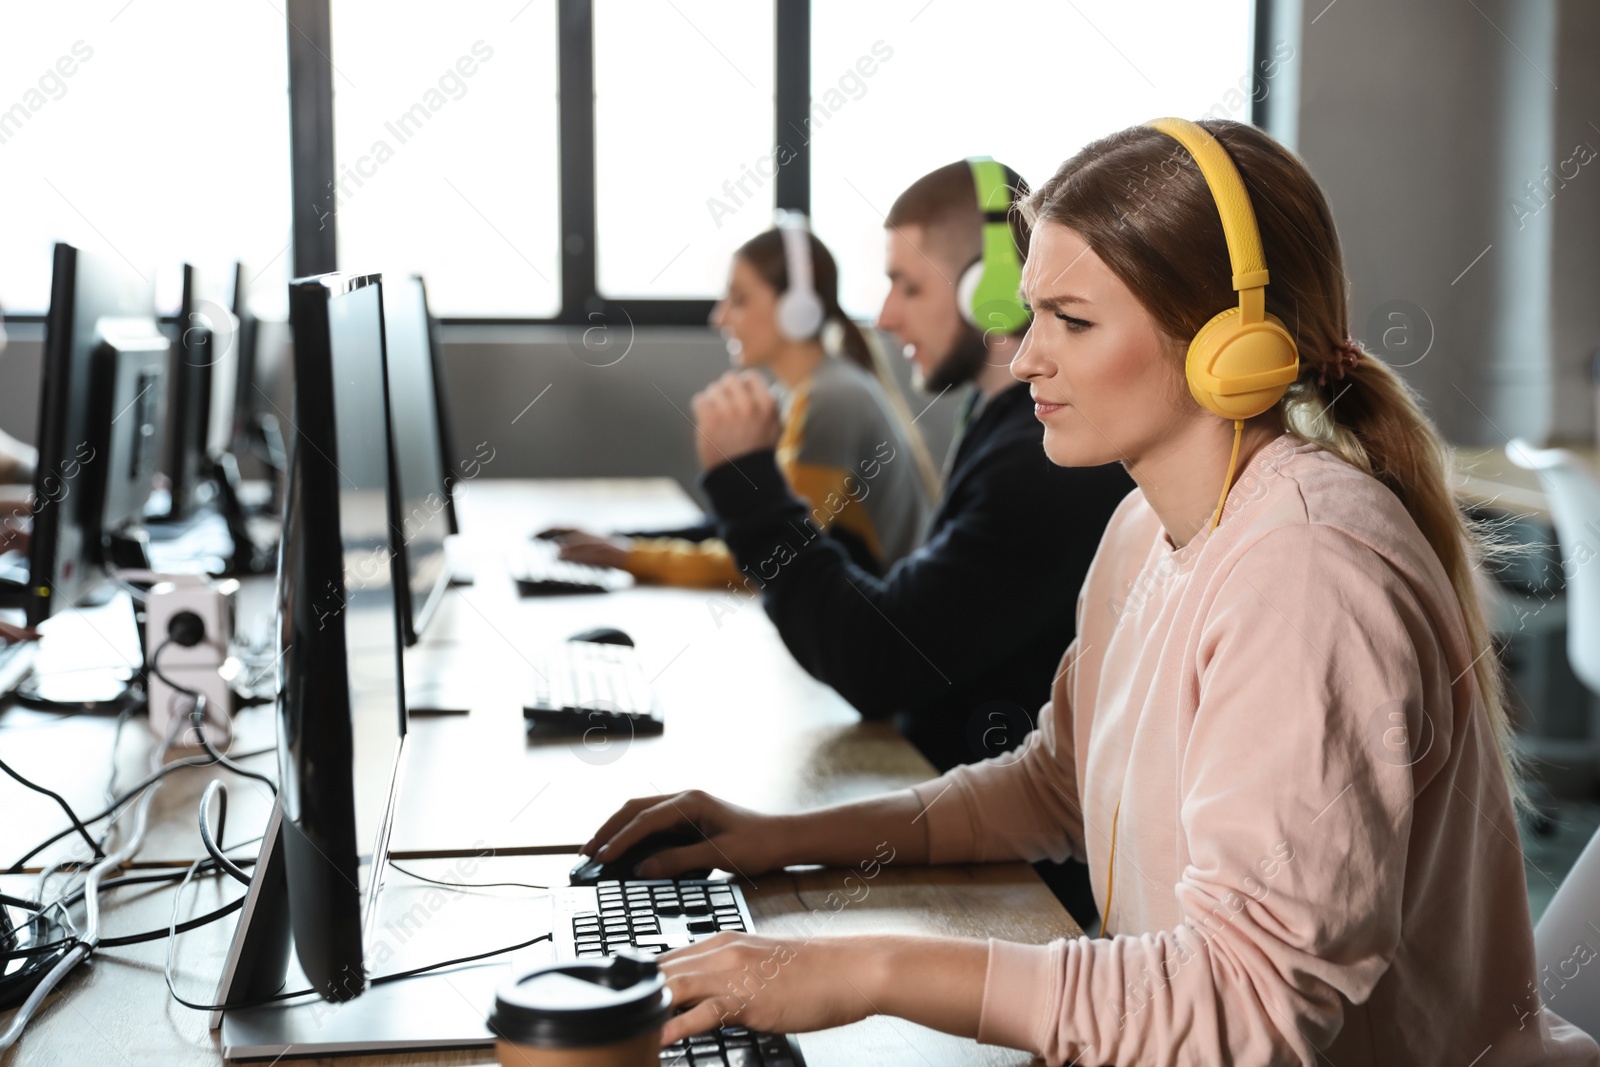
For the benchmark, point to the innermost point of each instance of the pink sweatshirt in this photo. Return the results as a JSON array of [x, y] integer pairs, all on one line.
[[1316, 858]]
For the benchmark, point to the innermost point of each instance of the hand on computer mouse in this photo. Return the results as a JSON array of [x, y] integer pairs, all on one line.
[[594, 550], [736, 415], [737, 839]]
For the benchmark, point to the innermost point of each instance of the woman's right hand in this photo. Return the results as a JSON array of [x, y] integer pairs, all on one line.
[[736, 839]]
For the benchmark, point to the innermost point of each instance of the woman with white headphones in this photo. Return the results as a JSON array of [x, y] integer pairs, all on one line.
[[848, 446]]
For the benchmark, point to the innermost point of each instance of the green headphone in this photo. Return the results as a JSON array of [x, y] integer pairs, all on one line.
[[989, 292]]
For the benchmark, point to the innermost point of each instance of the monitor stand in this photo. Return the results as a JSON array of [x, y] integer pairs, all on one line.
[[420, 924], [431, 1011]]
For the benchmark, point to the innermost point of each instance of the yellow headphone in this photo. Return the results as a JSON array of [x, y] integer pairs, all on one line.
[[1243, 360]]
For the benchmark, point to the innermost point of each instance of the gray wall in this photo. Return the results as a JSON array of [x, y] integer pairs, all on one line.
[[590, 419], [1425, 121]]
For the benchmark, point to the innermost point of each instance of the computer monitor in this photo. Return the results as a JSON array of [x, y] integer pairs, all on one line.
[[420, 469], [91, 297], [204, 378], [130, 379], [246, 336], [341, 704]]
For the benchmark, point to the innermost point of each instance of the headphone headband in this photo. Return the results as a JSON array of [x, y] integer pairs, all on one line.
[[1239, 228], [987, 294]]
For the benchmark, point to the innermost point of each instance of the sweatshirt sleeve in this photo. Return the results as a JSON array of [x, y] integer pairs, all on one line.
[[677, 561], [826, 491], [945, 613], [1035, 785], [1296, 813]]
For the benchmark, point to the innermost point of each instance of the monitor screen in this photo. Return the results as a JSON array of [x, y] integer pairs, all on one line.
[[341, 704], [87, 292], [420, 470]]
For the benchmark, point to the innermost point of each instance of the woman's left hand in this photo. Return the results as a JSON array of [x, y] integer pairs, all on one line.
[[767, 983]]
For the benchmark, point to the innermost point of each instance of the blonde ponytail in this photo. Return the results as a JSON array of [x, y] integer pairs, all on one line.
[[1371, 420]]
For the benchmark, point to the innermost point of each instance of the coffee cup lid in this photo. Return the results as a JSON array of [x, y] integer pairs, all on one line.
[[582, 1003]]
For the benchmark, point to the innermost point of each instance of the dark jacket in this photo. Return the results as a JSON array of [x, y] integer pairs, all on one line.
[[959, 641]]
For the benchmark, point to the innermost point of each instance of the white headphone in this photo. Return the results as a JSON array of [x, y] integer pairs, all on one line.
[[800, 311]]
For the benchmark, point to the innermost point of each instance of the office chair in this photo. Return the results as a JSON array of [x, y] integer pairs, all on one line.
[[1565, 941], [1574, 496]]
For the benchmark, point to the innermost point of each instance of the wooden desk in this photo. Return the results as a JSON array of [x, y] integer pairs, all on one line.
[[1486, 477], [743, 721]]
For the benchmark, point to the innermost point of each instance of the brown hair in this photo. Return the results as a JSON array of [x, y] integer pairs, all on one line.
[[765, 254], [1137, 198], [944, 204]]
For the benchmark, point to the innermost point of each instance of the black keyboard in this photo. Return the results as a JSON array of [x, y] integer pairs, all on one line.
[[653, 915]]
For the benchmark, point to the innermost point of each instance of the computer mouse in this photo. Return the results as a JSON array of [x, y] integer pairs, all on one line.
[[604, 635], [590, 870]]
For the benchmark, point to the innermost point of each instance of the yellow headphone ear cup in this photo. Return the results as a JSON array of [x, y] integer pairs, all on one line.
[[1238, 370]]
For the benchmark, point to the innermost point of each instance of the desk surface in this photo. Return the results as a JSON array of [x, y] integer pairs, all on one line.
[[1486, 477], [743, 719]]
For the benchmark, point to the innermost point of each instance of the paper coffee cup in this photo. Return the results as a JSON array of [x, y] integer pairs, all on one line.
[[586, 1013]]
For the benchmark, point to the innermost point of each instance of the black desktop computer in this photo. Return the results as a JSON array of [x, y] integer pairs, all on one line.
[[198, 345], [213, 360], [341, 720], [342, 706], [422, 487], [102, 354], [342, 737]]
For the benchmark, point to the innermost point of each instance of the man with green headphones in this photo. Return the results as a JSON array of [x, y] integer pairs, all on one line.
[[959, 642]]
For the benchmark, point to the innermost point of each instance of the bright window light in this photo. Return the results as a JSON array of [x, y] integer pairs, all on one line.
[[445, 136], [899, 87], [153, 132], [683, 141]]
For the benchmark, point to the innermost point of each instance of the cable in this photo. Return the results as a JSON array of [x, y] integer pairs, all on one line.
[[383, 980], [77, 823], [176, 765], [466, 885], [172, 950], [215, 788], [1238, 431], [91, 898], [197, 718]]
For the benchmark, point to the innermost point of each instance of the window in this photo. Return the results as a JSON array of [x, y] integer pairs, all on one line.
[[898, 90], [445, 150], [153, 133], [684, 158]]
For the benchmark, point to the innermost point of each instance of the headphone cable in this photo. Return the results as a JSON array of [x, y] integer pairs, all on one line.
[[1233, 461]]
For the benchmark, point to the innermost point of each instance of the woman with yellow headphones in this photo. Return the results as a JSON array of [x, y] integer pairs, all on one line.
[[1280, 739]]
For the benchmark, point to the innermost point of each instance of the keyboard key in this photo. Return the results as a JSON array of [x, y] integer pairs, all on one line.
[[774, 1049], [742, 1057], [702, 926]]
